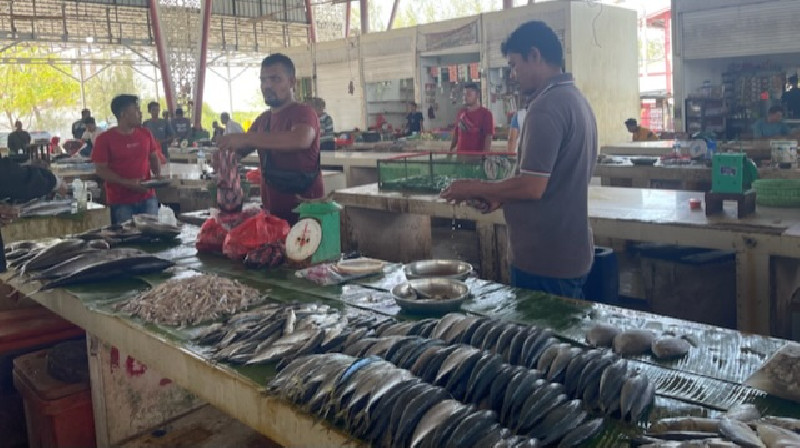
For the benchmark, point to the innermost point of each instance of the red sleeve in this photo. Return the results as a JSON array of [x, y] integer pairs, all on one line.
[[306, 115], [488, 122], [260, 125], [102, 148]]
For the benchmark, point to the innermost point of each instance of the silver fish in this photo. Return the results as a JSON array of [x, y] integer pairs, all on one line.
[[632, 390], [743, 412], [775, 437], [685, 424], [739, 433], [445, 323], [549, 355]]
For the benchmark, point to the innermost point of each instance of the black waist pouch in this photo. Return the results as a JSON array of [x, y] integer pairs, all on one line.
[[285, 181]]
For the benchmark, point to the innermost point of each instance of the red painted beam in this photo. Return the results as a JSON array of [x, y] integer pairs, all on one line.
[[163, 59], [668, 51], [312, 28], [347, 19], [200, 72]]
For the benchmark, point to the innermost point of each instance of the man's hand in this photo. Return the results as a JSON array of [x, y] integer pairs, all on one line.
[[460, 190], [8, 213], [135, 185], [233, 142]]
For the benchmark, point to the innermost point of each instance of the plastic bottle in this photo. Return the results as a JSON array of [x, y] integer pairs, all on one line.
[[201, 161], [79, 193], [166, 216], [676, 148]]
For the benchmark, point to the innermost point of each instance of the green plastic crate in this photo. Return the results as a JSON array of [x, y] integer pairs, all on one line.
[[431, 172], [778, 192]]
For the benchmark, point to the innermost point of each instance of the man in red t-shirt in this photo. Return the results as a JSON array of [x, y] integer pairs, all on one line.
[[124, 156], [474, 124], [287, 140]]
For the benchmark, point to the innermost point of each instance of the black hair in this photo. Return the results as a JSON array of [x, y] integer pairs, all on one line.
[[120, 102], [775, 110], [178, 111], [280, 59], [631, 122], [535, 34], [89, 120], [793, 80], [86, 110], [151, 105], [473, 86]]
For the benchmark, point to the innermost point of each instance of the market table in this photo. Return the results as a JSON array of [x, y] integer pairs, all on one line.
[[680, 177], [95, 216], [766, 242], [706, 382]]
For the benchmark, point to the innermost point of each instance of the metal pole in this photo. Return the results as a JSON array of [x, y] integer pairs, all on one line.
[[230, 86], [312, 29], [205, 15], [364, 16], [508, 4], [394, 13], [161, 51], [82, 80]]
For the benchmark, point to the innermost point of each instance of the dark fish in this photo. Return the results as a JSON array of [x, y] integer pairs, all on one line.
[[559, 422], [490, 341], [424, 359], [643, 403], [378, 425], [670, 348], [480, 333], [410, 358], [633, 342], [399, 329], [543, 400], [515, 401], [602, 335], [504, 341], [420, 326], [681, 436], [558, 368], [402, 402], [543, 365], [614, 376], [738, 432], [431, 370], [466, 336], [497, 391], [491, 436], [414, 412], [461, 355], [457, 384], [532, 349], [591, 374], [482, 377], [632, 390], [472, 429], [573, 373], [454, 334], [112, 270], [360, 347], [443, 433], [582, 433], [515, 348], [685, 424], [427, 330], [445, 323], [433, 418], [519, 376], [53, 255], [406, 347]]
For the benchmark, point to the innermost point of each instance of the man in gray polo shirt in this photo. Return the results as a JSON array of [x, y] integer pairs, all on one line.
[[546, 203]]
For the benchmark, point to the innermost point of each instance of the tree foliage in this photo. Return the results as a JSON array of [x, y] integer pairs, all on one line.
[[30, 92], [105, 85]]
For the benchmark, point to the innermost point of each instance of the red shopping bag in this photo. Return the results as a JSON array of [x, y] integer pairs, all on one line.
[[254, 233]]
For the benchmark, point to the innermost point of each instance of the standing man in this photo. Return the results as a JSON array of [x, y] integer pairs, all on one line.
[[182, 126], [79, 127], [231, 127], [474, 124], [18, 140], [159, 127], [327, 140], [791, 98], [124, 156], [287, 140], [546, 203], [89, 136], [514, 129], [413, 120], [640, 133]]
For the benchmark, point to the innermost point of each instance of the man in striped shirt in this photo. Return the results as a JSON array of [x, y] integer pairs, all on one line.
[[327, 141]]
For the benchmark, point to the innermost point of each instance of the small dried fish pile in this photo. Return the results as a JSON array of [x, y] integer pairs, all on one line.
[[278, 332], [637, 342], [387, 406], [524, 401], [190, 301], [599, 378], [741, 426]]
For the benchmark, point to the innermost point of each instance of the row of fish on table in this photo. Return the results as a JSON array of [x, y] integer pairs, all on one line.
[[94, 255]]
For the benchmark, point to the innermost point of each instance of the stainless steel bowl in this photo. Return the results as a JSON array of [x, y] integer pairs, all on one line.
[[454, 269], [431, 295]]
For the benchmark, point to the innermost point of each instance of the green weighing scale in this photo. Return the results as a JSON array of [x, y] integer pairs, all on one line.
[[316, 238], [732, 175]]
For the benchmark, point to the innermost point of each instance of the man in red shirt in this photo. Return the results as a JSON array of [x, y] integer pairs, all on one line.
[[287, 140], [124, 156], [474, 124]]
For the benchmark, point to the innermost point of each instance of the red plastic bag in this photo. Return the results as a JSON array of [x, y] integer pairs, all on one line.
[[254, 176], [232, 220], [211, 237], [255, 232]]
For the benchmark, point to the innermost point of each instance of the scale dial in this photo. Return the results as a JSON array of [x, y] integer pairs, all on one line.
[[303, 240]]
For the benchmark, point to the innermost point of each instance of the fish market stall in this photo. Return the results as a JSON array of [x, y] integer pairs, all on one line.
[[225, 351], [768, 240], [48, 225]]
